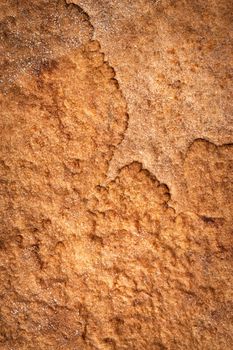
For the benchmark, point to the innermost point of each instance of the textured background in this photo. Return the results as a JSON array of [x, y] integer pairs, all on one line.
[[116, 175]]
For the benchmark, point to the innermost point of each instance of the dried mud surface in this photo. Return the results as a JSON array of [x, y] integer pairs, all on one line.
[[116, 175]]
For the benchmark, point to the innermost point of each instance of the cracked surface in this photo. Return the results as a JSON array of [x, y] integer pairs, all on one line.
[[90, 262]]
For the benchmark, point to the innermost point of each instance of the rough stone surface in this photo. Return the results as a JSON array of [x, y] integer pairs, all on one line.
[[116, 175], [173, 61]]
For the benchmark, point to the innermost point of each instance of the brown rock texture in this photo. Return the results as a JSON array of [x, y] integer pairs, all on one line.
[[116, 160]]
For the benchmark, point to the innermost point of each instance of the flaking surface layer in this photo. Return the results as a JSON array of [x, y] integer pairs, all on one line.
[[115, 175]]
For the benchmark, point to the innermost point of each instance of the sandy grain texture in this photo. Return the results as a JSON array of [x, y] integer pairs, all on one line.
[[116, 175]]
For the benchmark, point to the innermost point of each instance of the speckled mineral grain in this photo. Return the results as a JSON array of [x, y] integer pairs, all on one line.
[[116, 157]]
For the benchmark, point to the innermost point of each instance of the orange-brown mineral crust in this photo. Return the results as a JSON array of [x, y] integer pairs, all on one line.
[[116, 159]]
